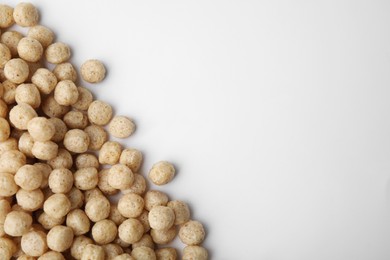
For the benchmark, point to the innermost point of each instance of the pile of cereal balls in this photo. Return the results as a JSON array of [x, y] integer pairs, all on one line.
[[58, 167]]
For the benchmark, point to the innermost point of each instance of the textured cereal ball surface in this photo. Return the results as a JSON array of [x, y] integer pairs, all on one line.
[[78, 221], [8, 145], [60, 129], [57, 53], [86, 160], [5, 130], [93, 252], [112, 250], [11, 161], [16, 70], [85, 99], [62, 160], [76, 141], [11, 39], [5, 55], [52, 109], [86, 178], [65, 71], [161, 217], [194, 253], [97, 208], [57, 206], [76, 198], [75, 119], [30, 49], [6, 18], [103, 184], [139, 185], [97, 136], [120, 177], [66, 93], [104, 231], [130, 231], [52, 255], [93, 71], [21, 114], [17, 223], [28, 177], [132, 158], [60, 238], [155, 198], [146, 240], [33, 243], [45, 170], [42, 34], [162, 173], [192, 233], [125, 256], [143, 252], [99, 112], [29, 94], [44, 80], [26, 14], [9, 91], [131, 205], [182, 212], [121, 127], [30, 200], [163, 237], [110, 153], [60, 180], [41, 129], [49, 222], [45, 150], [167, 253], [8, 186], [78, 246]]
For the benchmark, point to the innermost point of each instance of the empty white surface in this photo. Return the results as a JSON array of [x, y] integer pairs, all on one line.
[[276, 114]]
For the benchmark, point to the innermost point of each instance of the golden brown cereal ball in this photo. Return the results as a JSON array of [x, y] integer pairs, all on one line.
[[192, 233], [194, 253], [139, 185], [146, 240], [162, 173], [144, 219], [121, 127], [163, 237], [16, 70], [3, 109], [123, 257], [104, 231], [132, 158], [62, 160], [21, 114], [76, 141], [60, 238], [28, 177], [6, 18], [40, 128], [52, 109], [60, 129], [60, 180], [131, 205], [11, 39], [78, 221], [78, 246], [75, 119], [166, 253], [25, 144], [103, 184], [30, 49], [76, 198], [99, 112], [29, 94], [8, 186], [57, 206], [161, 217], [34, 243], [8, 145], [7, 247], [120, 177], [45, 150], [89, 194], [93, 252], [44, 80], [93, 71], [11, 161], [155, 198], [66, 93], [110, 153], [45, 170], [17, 223], [182, 212], [86, 178], [5, 55], [85, 99], [65, 71], [41, 33], [115, 215], [97, 208], [57, 52], [9, 92], [143, 252], [26, 14], [112, 250], [97, 136], [86, 160], [131, 230], [49, 222], [52, 255], [5, 130]]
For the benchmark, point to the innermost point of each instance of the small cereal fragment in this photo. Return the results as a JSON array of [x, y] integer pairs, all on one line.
[[44, 80], [78, 221], [60, 238], [166, 253], [42, 34], [17, 223], [76, 141], [155, 198], [29, 94], [120, 177], [41, 129], [57, 53], [121, 127], [194, 253], [132, 158], [161, 217], [34, 243], [130, 231], [99, 112], [93, 252], [66, 93], [85, 99], [29, 49], [182, 212], [110, 153], [5, 130], [143, 252], [6, 18], [45, 150], [57, 206], [26, 14], [86, 178], [60, 129], [78, 246], [75, 119], [8, 186], [60, 180], [52, 255], [97, 208], [28, 177], [192, 233], [16, 70], [97, 136], [162, 173], [11, 40], [5, 55], [93, 71], [65, 71], [104, 231], [131, 205]]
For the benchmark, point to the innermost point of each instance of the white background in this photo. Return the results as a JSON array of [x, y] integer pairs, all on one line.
[[276, 114]]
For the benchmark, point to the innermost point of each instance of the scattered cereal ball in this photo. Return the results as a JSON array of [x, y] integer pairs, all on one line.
[[166, 253], [85, 99], [138, 187], [66, 93], [155, 198], [93, 71], [45, 150], [192, 233], [162, 173], [121, 127], [78, 246], [99, 112], [144, 219], [86, 178], [8, 186], [110, 153], [120, 177], [65, 71], [45, 170], [143, 252], [163, 237], [34, 243], [57, 53], [131, 205], [6, 18], [8, 145], [40, 128], [76, 141], [60, 180], [9, 92], [62, 160], [60, 238], [146, 240], [103, 184], [112, 250], [78, 221], [52, 255], [60, 129], [75, 119], [132, 158], [161, 217], [30, 49], [5, 55], [41, 33], [104, 231], [29, 94], [86, 160], [76, 198], [49, 222], [194, 253], [97, 136], [94, 252], [11, 161], [115, 215], [26, 14], [97, 208], [57, 206], [11, 40], [123, 257], [130, 231], [17, 223], [16, 70], [28, 177], [5, 130], [182, 212], [44, 80], [21, 114]]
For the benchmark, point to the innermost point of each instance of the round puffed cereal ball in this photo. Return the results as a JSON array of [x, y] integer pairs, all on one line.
[[57, 53], [49, 222], [103, 184], [78, 246], [42, 34], [112, 250], [121, 127], [93, 71], [86, 178], [76, 198], [143, 252], [21, 114], [94, 193], [11, 161], [62, 160], [60, 180], [5, 130], [41, 129], [97, 136], [7, 248], [32, 68], [94, 252], [85, 99], [57, 206], [161, 217], [76, 141], [11, 40], [75, 119], [6, 18], [26, 15], [9, 92], [52, 255], [25, 145], [28, 177], [30, 49], [34, 243], [8, 145], [110, 153], [138, 187], [192, 233], [78, 221], [163, 237], [17, 223], [182, 212], [16, 70], [162, 173], [194, 253], [65, 71], [86, 160], [44, 80], [66, 93], [155, 198], [3, 109], [45, 170], [99, 112], [29, 94], [8, 186], [60, 129], [60, 238], [115, 215], [5, 55], [132, 158], [45, 150], [104, 231], [123, 257], [52, 109], [131, 205], [97, 208], [146, 240], [130, 231], [166, 253], [120, 177]]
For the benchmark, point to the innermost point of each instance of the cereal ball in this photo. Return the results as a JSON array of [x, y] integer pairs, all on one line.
[[94, 252], [60, 129], [143, 252], [11, 161], [78, 221], [52, 255], [9, 92], [32, 68], [29, 94], [30, 49], [8, 186], [57, 53], [103, 184], [166, 253], [121, 127], [182, 212], [104, 231], [52, 109], [66, 93], [76, 198], [21, 114], [162, 173], [97, 208], [45, 170], [5, 130], [194, 253], [17, 223], [120, 177], [6, 18], [26, 14], [40, 128], [112, 250], [85, 99], [60, 238], [93, 71], [60, 180], [192, 233], [65, 71], [144, 219], [76, 141], [5, 208], [86, 178], [16, 70], [28, 177], [5, 54], [75, 119], [139, 185], [122, 243], [25, 145], [97, 136], [11, 40], [57, 206], [86, 160], [8, 145], [130, 231], [99, 112], [115, 215], [163, 237], [42, 34], [49, 222], [123, 257], [45, 150], [44, 80], [79, 243], [3, 109], [90, 194], [34, 243], [7, 248], [110, 153], [62, 160], [132, 158], [155, 198], [161, 217], [131, 205], [146, 240]]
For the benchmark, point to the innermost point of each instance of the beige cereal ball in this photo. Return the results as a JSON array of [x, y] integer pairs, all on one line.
[[30, 49], [143, 252], [120, 177], [52, 255], [11, 161], [66, 93], [182, 212], [6, 18], [115, 215], [103, 184], [155, 198], [11, 40], [97, 208], [8, 186], [28, 177], [146, 240], [97, 136], [78, 245], [90, 194], [93, 252], [45, 150], [144, 219], [76, 141], [166, 253], [60, 238], [8, 145], [60, 129], [131, 230], [76, 198], [132, 158], [75, 119], [5, 55], [62, 160], [21, 114], [16, 70], [194, 253], [93, 71], [86, 178], [49, 222], [34, 243], [112, 250], [110, 153], [99, 112], [86, 160], [65, 71], [44, 80], [45, 170], [192, 233], [123, 257], [78, 221], [30, 200], [85, 99], [138, 187], [32, 68], [29, 94], [7, 247], [5, 130], [42, 34], [57, 53], [9, 92], [161, 217], [3, 109], [131, 205], [121, 127], [162, 173], [25, 144], [163, 237], [52, 109], [17, 223], [26, 15], [41, 129], [60, 180], [104, 231], [57, 206]]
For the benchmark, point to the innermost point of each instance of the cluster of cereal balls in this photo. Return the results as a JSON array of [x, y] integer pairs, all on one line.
[[58, 167]]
